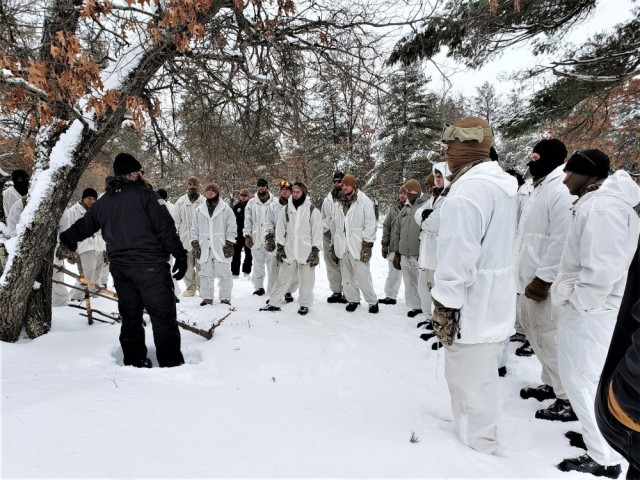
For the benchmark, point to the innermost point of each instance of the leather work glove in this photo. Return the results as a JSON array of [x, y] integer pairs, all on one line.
[[105, 257], [270, 242], [196, 251], [334, 257], [179, 268], [65, 253], [445, 322], [385, 250], [280, 255], [425, 213], [314, 257], [228, 249], [396, 261], [365, 251], [537, 290], [248, 241]]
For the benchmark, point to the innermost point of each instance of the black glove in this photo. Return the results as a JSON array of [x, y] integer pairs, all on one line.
[[445, 322], [396, 261], [105, 257], [280, 254], [248, 241], [270, 242], [314, 257], [228, 249], [425, 213], [365, 251], [537, 290], [196, 251], [179, 268], [385, 250]]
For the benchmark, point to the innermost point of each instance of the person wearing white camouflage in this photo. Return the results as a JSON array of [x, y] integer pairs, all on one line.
[[334, 273], [255, 217], [185, 208], [390, 247]]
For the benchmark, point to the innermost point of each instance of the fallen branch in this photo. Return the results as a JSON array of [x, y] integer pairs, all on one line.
[[107, 315], [82, 289], [208, 334], [86, 281], [87, 294]]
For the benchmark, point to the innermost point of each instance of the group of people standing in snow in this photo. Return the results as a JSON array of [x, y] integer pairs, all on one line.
[[476, 252]]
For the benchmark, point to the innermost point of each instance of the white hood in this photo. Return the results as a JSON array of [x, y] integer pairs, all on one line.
[[444, 171], [493, 173], [622, 186]]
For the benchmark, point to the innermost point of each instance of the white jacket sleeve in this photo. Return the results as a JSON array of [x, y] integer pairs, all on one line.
[[602, 264], [316, 229], [281, 227], [559, 222], [459, 248], [231, 227], [195, 227], [370, 225], [248, 219]]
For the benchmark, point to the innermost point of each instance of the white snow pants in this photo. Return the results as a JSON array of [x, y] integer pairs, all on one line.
[[583, 342], [59, 293], [518, 325], [472, 376], [302, 274], [394, 279], [334, 272], [540, 323], [411, 276], [356, 277], [425, 284], [261, 261], [209, 271], [92, 262], [274, 274], [191, 277]]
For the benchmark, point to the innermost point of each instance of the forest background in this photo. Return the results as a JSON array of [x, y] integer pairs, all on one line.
[[233, 90]]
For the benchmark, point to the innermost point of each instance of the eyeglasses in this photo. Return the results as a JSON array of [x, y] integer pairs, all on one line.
[[582, 155], [337, 180]]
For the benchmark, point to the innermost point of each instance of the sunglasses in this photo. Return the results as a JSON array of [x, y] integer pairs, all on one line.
[[337, 181], [582, 155]]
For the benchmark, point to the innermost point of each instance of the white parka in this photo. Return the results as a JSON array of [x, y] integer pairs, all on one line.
[[299, 230], [184, 210], [213, 232], [255, 216], [543, 227], [9, 196], [599, 247], [350, 230], [71, 215], [429, 228], [475, 246], [328, 205]]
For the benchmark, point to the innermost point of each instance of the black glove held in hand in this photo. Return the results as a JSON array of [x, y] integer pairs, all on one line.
[[180, 268], [445, 322], [385, 251], [280, 255], [425, 213], [396, 261]]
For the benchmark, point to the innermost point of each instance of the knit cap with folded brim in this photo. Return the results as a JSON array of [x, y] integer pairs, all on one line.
[[349, 180], [213, 187], [413, 186], [125, 163]]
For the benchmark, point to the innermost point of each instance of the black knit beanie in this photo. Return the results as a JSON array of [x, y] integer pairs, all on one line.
[[592, 162], [124, 164], [89, 192]]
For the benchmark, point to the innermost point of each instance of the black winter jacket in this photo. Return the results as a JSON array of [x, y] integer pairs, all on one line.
[[238, 210], [622, 366], [136, 226]]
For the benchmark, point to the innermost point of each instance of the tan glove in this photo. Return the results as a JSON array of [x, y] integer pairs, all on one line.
[[445, 322], [280, 253], [365, 251], [195, 249], [537, 290], [228, 249], [270, 242], [248, 241], [314, 257]]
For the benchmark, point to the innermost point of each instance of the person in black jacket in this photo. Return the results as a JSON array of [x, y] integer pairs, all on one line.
[[140, 234], [617, 402], [238, 210]]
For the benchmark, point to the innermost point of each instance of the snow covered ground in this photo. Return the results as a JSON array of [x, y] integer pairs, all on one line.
[[333, 394]]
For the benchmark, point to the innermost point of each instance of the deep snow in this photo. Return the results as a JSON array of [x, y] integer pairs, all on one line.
[[333, 394]]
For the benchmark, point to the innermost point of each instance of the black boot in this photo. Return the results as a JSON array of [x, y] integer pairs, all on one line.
[[374, 308], [259, 292], [436, 346], [427, 336], [414, 312], [518, 337], [586, 464], [303, 310], [288, 297], [270, 308], [334, 298], [502, 371], [540, 393], [351, 307], [388, 301], [427, 324], [525, 350], [559, 410], [575, 439]]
